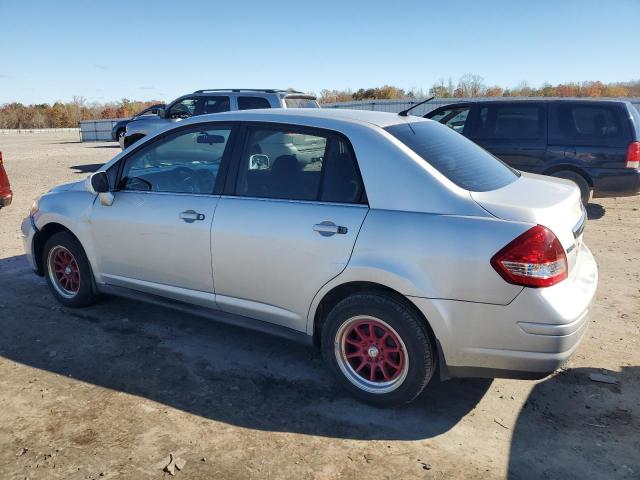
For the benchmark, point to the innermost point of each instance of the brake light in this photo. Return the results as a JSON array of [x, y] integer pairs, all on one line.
[[0, 158], [633, 155], [534, 259]]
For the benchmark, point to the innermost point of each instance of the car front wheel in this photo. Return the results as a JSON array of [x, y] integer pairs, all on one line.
[[67, 271], [378, 348]]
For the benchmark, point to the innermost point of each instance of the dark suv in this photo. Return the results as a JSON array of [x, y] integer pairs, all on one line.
[[595, 143]]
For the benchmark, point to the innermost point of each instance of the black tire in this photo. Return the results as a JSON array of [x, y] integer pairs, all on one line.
[[411, 332], [583, 185], [62, 244], [120, 133]]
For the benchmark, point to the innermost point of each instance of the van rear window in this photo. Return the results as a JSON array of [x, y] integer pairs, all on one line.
[[457, 158]]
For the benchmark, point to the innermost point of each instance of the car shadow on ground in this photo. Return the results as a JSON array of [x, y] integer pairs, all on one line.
[[105, 146], [572, 427], [216, 371], [595, 211], [87, 168]]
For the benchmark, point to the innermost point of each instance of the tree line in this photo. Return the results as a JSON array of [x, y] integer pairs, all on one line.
[[471, 85], [59, 115], [68, 114]]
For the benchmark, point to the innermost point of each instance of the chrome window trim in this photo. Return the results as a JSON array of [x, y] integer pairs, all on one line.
[[290, 200], [187, 194]]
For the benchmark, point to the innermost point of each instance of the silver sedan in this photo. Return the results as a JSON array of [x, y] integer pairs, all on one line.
[[398, 247]]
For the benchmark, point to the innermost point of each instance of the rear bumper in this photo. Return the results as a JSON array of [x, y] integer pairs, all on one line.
[[615, 182], [29, 230], [529, 338]]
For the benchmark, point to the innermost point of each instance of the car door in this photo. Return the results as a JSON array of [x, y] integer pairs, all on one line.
[[156, 235], [287, 224], [515, 132]]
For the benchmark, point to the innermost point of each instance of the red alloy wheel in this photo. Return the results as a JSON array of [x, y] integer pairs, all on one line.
[[66, 271], [374, 351]]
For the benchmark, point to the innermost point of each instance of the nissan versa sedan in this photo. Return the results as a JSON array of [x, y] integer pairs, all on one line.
[[397, 246]]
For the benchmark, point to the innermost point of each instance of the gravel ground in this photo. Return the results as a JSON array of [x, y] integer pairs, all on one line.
[[109, 391]]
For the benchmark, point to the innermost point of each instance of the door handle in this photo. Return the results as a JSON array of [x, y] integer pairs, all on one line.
[[190, 216], [326, 229]]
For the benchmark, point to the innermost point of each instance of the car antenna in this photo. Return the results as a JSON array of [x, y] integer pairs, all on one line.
[[404, 113]]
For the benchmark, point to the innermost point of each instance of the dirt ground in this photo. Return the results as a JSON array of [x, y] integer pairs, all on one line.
[[109, 391]]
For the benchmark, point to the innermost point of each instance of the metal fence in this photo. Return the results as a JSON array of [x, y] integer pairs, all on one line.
[[7, 131], [395, 106], [97, 130]]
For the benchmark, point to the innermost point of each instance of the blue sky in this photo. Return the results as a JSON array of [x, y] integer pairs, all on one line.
[[162, 49]]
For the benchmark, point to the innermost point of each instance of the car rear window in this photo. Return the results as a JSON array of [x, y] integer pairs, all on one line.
[[293, 102], [457, 158]]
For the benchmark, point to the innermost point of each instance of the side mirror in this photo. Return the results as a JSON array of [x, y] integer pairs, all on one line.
[[100, 182], [259, 162], [161, 113]]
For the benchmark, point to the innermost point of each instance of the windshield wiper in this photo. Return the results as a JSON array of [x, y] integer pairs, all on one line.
[[404, 113]]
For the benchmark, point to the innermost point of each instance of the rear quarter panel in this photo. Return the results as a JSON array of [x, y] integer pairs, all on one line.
[[430, 256]]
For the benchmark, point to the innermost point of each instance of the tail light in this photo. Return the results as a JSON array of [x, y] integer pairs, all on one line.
[[0, 158], [534, 259], [633, 155]]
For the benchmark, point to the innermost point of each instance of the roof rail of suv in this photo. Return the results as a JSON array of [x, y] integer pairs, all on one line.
[[265, 90]]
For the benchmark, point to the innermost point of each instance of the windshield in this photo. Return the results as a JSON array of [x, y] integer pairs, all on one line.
[[457, 158], [292, 102]]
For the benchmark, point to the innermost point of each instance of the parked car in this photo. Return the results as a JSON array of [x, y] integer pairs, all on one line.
[[594, 143], [202, 102], [403, 250], [6, 195], [119, 128]]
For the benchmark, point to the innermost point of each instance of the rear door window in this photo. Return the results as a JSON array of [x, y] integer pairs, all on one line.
[[287, 163], [216, 105], [252, 103], [457, 158], [506, 122], [585, 124]]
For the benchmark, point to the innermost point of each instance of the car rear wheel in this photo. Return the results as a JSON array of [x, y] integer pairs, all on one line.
[[378, 348], [67, 271], [583, 185]]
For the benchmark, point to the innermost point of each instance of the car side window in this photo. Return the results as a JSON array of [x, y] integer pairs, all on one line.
[[185, 108], [509, 122], [455, 118], [184, 162], [298, 165], [216, 105], [251, 103], [580, 124]]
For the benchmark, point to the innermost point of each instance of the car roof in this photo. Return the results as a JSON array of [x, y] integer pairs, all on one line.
[[304, 115], [534, 99]]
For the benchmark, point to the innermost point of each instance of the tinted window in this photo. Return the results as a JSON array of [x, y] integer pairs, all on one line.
[[251, 103], [285, 164], [301, 103], [183, 109], [460, 160], [455, 118], [509, 122], [216, 105], [582, 124], [185, 162]]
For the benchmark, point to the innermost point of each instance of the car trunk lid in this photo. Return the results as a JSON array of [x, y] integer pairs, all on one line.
[[552, 202]]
